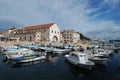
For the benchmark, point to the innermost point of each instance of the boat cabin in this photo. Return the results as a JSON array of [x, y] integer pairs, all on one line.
[[81, 57]]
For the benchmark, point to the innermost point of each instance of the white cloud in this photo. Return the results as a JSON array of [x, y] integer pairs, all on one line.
[[68, 14], [112, 3]]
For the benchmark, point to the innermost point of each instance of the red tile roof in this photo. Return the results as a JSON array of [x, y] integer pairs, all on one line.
[[43, 26]]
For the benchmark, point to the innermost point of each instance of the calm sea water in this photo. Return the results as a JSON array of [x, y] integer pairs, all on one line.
[[56, 68]]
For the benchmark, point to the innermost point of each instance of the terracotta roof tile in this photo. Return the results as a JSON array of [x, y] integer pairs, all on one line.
[[43, 26]]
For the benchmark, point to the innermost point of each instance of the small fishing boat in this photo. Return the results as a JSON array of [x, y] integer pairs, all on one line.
[[32, 47], [29, 58], [80, 59], [60, 51], [9, 48], [18, 53]]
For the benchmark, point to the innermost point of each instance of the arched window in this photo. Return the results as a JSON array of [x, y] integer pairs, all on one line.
[[25, 38], [52, 31], [20, 38], [30, 38]]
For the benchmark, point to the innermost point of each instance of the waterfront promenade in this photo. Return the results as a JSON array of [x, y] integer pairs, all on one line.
[[12, 43], [27, 43]]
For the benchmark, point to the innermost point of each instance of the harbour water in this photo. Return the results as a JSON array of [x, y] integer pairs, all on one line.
[[55, 67]]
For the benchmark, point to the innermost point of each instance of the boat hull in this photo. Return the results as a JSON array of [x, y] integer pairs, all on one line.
[[31, 58], [87, 65], [99, 60]]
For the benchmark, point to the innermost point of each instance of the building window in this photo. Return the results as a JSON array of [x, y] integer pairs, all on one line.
[[44, 30], [20, 38], [25, 38], [30, 38], [64, 34], [52, 31]]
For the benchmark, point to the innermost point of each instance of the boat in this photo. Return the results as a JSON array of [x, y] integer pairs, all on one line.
[[60, 51], [54, 50], [12, 49], [98, 52], [18, 53], [9, 48], [46, 49], [2, 49], [77, 71], [32, 47], [30, 58], [80, 59], [98, 60]]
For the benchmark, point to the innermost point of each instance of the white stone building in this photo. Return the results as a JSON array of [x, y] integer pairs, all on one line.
[[45, 32]]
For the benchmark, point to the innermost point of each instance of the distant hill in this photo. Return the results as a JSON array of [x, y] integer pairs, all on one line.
[[82, 37], [105, 33]]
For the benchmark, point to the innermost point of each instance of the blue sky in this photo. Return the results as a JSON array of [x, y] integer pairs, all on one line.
[[93, 18]]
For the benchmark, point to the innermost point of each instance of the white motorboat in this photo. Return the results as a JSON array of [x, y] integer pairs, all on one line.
[[100, 53], [98, 60], [110, 51], [80, 59], [18, 53]]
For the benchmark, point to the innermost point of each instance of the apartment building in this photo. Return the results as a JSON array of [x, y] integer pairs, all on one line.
[[70, 36]]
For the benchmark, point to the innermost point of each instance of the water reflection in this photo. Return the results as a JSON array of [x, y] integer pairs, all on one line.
[[116, 51], [18, 65], [52, 58], [9, 62], [100, 67]]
